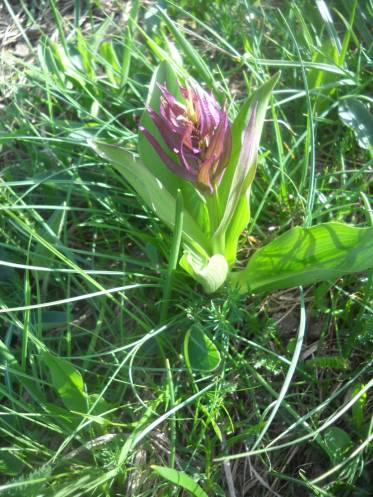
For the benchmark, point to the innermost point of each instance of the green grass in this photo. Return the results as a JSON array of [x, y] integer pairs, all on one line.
[[95, 385]]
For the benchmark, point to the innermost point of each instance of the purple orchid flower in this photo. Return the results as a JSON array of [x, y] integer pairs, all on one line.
[[197, 131]]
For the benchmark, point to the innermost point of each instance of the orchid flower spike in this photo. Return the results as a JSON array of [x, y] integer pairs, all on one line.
[[197, 134]]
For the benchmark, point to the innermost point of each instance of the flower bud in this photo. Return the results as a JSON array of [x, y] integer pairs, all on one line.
[[198, 134]]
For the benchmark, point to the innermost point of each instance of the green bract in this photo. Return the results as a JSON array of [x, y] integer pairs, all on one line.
[[214, 218]]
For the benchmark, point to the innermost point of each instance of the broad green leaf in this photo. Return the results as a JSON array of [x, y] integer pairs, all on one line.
[[209, 272], [100, 34], [355, 115], [337, 444], [152, 191], [67, 382], [107, 51], [303, 256], [180, 479], [200, 352], [233, 190], [101, 406]]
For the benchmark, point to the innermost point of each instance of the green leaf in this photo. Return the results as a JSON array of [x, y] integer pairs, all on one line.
[[209, 272], [111, 67], [302, 256], [67, 382], [234, 188], [180, 479], [12, 368], [63, 417], [152, 191], [318, 78], [239, 222], [48, 62], [84, 50], [200, 352], [69, 61], [337, 444], [358, 408], [101, 406], [355, 115]]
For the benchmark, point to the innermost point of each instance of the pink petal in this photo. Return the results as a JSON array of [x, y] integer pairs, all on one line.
[[173, 166]]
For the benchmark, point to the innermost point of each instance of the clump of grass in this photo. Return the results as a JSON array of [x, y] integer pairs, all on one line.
[[88, 402]]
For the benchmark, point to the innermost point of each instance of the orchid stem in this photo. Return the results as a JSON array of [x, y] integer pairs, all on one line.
[[214, 207], [172, 263]]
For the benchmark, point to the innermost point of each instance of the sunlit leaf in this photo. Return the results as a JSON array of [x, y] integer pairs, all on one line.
[[358, 408], [67, 381], [210, 272], [356, 115], [180, 479], [234, 188], [303, 256], [151, 190]]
